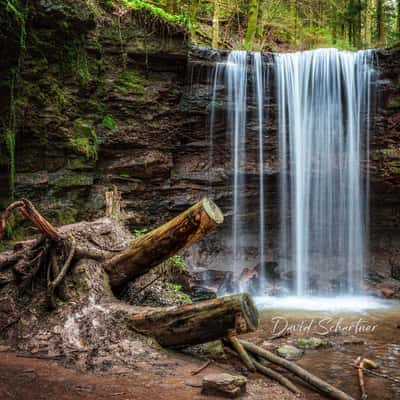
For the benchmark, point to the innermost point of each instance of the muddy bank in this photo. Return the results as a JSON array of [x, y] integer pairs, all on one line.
[[33, 379]]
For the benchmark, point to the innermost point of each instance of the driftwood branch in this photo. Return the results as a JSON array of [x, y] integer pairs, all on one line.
[[361, 365], [238, 347], [270, 373], [202, 368], [309, 378]]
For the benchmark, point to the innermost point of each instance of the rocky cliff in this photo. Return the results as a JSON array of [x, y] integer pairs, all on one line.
[[104, 96]]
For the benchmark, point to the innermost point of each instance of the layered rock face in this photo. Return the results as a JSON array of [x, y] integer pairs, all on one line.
[[384, 206], [97, 104], [103, 100]]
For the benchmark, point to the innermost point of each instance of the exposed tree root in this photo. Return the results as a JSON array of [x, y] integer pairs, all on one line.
[[40, 259]]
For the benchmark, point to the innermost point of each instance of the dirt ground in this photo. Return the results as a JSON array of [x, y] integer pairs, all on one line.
[[36, 379]]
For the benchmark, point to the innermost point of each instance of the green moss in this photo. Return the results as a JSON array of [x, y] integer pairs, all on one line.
[[131, 82], [215, 350], [85, 140], [108, 122], [313, 343], [77, 61], [68, 179]]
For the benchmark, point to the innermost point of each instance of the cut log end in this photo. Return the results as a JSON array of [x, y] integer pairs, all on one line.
[[163, 242], [213, 211]]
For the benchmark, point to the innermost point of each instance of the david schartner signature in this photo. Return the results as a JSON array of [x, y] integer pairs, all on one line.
[[321, 326]]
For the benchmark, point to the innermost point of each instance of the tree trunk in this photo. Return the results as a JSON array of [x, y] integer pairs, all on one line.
[[215, 25], [171, 6], [398, 16], [251, 24], [158, 245], [199, 322], [379, 22]]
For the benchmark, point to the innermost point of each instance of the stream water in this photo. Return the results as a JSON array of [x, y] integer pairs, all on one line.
[[372, 332]]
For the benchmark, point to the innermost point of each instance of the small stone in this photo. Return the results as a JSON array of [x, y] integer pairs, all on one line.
[[268, 345], [290, 352], [355, 342], [387, 292], [313, 343], [195, 384], [224, 384]]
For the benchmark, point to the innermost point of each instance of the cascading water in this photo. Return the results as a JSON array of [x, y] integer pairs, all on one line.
[[324, 98], [236, 80], [236, 72], [259, 93]]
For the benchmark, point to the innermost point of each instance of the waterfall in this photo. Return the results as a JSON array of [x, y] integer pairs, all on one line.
[[235, 72], [323, 102], [236, 80], [259, 94], [324, 99]]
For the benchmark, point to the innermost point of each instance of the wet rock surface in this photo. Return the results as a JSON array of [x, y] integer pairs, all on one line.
[[226, 385], [289, 352], [314, 343]]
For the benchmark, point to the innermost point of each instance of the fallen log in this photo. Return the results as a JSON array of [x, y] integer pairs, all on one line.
[[122, 265], [197, 323], [309, 378], [156, 246]]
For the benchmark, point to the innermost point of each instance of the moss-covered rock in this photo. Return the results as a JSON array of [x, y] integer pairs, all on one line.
[[215, 350], [84, 140], [68, 179], [313, 343]]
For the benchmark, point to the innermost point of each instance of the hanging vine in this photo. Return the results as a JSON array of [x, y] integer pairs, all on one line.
[[16, 12]]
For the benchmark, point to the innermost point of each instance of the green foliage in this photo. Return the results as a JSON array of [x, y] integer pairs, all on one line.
[[282, 24], [19, 12], [9, 229], [140, 231], [108, 122], [176, 294], [178, 263], [155, 11], [9, 131], [10, 143]]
